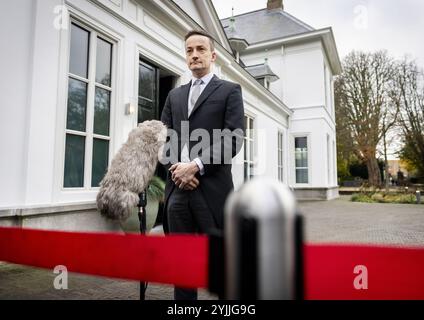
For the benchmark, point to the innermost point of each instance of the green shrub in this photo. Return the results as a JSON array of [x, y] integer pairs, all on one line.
[[373, 197], [361, 197], [403, 198], [378, 197]]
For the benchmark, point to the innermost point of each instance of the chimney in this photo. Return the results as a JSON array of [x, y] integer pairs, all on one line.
[[275, 4]]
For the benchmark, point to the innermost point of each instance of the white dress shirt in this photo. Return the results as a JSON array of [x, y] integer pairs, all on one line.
[[184, 153]]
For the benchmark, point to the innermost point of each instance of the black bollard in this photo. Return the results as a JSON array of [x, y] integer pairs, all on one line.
[[263, 243]]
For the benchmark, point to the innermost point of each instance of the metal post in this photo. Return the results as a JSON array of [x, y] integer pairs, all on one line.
[[142, 218], [263, 242], [418, 195]]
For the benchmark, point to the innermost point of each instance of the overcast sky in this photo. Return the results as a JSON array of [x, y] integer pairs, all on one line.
[[369, 25]]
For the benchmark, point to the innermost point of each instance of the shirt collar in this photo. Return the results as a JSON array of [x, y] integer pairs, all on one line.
[[206, 79]]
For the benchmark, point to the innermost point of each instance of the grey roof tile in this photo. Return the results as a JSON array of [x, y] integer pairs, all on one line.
[[263, 25]]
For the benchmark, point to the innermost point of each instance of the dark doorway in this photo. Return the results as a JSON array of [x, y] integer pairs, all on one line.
[[153, 87]]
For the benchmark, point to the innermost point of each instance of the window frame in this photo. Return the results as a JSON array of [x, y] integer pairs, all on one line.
[[247, 147], [92, 84], [308, 146], [280, 155]]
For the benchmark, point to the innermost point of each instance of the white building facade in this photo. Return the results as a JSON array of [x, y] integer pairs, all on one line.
[[78, 75]]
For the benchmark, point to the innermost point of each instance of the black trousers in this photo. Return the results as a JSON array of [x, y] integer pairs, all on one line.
[[188, 212]]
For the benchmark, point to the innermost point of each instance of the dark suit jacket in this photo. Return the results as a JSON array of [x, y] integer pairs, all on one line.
[[220, 106]]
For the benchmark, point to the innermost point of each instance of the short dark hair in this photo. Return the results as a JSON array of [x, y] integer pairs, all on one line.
[[201, 33]]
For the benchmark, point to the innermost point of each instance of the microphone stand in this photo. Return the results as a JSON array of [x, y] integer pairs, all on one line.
[[142, 218]]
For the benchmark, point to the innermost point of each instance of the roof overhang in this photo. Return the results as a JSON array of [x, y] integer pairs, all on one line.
[[209, 14], [325, 35], [262, 71], [238, 44], [170, 8]]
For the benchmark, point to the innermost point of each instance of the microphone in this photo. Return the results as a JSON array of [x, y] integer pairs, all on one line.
[[131, 170]]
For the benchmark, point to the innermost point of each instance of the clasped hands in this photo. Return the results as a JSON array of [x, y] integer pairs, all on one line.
[[183, 175]]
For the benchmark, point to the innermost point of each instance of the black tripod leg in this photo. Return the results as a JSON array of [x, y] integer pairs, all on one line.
[[142, 218]]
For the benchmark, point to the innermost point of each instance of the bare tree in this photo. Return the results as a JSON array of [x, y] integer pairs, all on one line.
[[364, 100], [345, 146], [408, 95], [387, 141]]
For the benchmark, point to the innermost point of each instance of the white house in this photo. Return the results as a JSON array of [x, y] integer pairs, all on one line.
[[78, 75]]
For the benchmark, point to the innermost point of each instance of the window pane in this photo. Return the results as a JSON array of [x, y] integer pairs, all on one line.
[[279, 157], [300, 143], [146, 110], [100, 161], [77, 105], [251, 170], [301, 158], [74, 161], [103, 62], [146, 83], [79, 51], [101, 111], [251, 150], [245, 149], [301, 175], [301, 152], [251, 128], [281, 141]]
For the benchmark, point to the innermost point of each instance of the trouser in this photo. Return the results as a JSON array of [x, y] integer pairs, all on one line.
[[188, 212]]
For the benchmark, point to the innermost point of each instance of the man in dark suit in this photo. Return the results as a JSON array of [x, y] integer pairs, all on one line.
[[200, 181]]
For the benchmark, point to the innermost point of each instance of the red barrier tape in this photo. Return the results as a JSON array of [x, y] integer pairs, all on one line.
[[393, 273], [180, 260]]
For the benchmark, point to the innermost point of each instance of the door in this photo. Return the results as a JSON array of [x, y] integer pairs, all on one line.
[[148, 101]]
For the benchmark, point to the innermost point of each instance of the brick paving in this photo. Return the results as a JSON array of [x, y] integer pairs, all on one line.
[[22, 282], [338, 220], [344, 221]]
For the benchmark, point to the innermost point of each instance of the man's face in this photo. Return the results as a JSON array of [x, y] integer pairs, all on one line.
[[199, 56]]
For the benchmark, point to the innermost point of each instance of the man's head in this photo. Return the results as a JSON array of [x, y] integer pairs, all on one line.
[[200, 52]]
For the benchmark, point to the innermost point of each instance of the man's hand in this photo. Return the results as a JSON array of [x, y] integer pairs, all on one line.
[[193, 184], [183, 175]]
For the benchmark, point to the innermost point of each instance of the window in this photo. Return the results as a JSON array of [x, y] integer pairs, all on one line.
[[88, 109], [148, 85], [280, 156], [301, 159], [248, 148]]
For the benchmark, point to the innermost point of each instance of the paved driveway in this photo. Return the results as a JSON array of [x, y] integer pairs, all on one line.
[[341, 220], [325, 221]]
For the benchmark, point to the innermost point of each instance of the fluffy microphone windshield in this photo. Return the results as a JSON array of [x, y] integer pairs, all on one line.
[[131, 170]]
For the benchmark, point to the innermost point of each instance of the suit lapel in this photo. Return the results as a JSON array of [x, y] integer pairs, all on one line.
[[211, 87], [185, 90]]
